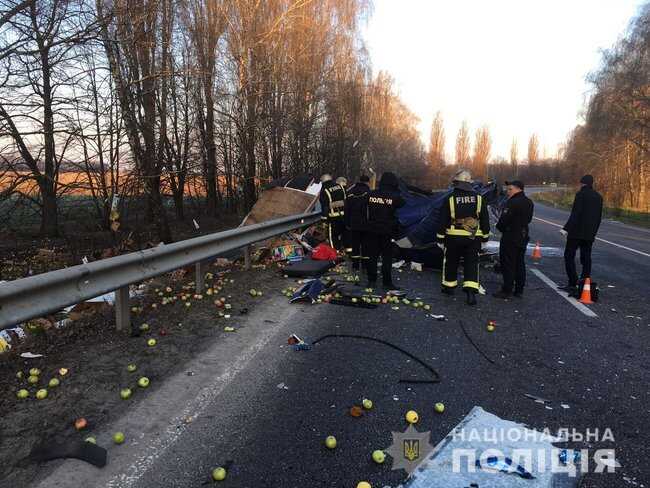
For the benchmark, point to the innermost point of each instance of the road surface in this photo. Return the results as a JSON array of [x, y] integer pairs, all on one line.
[[254, 402]]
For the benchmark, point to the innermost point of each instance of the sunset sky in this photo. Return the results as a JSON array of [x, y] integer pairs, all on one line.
[[518, 66]]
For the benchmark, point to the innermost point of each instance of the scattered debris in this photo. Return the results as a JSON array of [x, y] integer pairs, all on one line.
[[282, 386], [416, 266]]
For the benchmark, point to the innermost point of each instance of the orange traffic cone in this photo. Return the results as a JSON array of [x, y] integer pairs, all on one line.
[[537, 252], [586, 292]]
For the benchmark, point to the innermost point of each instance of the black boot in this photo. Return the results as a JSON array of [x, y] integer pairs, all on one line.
[[447, 290], [471, 297]]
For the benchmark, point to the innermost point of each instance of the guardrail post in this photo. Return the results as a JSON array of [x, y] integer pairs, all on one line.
[[247, 257], [200, 276], [122, 309]]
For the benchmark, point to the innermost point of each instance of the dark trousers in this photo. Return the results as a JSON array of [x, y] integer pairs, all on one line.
[[572, 246], [335, 230], [513, 266], [355, 240], [456, 248], [376, 245]]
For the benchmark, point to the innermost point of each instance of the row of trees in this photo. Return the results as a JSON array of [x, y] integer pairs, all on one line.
[[477, 157], [614, 141], [142, 97]]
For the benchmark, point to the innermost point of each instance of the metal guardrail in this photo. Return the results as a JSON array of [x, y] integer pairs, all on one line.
[[28, 298]]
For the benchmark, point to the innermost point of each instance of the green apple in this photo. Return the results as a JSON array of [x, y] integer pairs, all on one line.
[[218, 474], [118, 437], [439, 407], [20, 375], [32, 380], [253, 292], [143, 382], [427, 307], [91, 439], [131, 368], [151, 342], [144, 327], [54, 382], [367, 404], [41, 394], [34, 372], [330, 442], [22, 394], [125, 393], [378, 456]]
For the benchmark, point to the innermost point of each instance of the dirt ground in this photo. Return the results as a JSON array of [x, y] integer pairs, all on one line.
[[96, 357], [26, 253]]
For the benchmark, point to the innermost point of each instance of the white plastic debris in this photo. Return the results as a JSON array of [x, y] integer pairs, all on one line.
[[30, 355]]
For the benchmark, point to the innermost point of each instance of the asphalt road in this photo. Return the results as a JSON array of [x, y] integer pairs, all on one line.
[[233, 411]]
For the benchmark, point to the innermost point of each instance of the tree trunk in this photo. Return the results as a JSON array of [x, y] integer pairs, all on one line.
[[49, 216]]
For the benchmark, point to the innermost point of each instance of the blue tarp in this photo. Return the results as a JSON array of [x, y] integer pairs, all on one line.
[[419, 218]]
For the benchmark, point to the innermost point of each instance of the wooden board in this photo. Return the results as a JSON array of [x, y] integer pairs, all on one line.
[[279, 202]]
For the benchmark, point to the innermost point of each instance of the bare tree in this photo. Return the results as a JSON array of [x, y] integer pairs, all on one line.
[[463, 145], [533, 149], [482, 151], [514, 155]]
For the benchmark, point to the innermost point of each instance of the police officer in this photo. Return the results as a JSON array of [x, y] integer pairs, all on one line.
[[382, 225], [332, 201], [356, 220], [464, 224], [513, 225]]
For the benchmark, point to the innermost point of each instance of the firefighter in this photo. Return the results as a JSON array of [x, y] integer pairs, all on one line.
[[464, 224], [356, 209], [332, 201], [513, 224], [382, 226]]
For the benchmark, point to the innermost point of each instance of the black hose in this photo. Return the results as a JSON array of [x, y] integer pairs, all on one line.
[[462, 326], [381, 341]]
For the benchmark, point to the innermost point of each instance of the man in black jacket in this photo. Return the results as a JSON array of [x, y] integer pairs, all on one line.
[[513, 224], [356, 220], [464, 224], [382, 226], [580, 231], [332, 201]]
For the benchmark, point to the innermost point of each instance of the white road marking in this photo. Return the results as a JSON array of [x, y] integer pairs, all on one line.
[[564, 295], [602, 240]]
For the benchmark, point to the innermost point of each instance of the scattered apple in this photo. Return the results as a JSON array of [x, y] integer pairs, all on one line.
[[364, 484], [253, 292], [131, 368], [20, 375], [32, 380], [63, 371], [439, 407], [227, 306], [330, 442], [229, 329], [54, 382], [412, 417], [151, 342], [378, 456], [188, 304], [91, 439], [490, 328], [81, 423], [143, 382], [34, 372], [218, 474], [22, 394], [427, 307], [125, 393], [41, 394], [168, 289], [118, 438], [367, 404]]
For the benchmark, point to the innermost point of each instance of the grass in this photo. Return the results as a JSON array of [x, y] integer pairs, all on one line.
[[564, 199]]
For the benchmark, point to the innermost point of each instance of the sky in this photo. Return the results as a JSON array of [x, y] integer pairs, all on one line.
[[518, 66]]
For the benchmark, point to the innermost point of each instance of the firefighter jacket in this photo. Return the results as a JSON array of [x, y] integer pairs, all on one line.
[[464, 214], [356, 207], [332, 200]]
